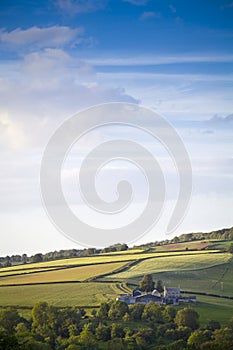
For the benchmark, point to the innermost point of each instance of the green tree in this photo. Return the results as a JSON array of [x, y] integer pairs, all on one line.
[[147, 284], [103, 311], [37, 258], [187, 317], [159, 286], [153, 312], [116, 344], [212, 325], [45, 322], [169, 313], [87, 339], [118, 309], [117, 331], [197, 338], [103, 332], [9, 318], [223, 338], [136, 311], [230, 249], [8, 342], [145, 337]]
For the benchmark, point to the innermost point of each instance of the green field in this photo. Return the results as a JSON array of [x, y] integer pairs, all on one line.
[[172, 263], [64, 282], [213, 309], [70, 274], [183, 246], [71, 294], [216, 280]]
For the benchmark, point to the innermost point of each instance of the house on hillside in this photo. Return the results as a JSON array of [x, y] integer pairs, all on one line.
[[126, 298], [171, 295], [148, 298]]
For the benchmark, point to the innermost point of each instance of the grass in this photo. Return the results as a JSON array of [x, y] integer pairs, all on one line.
[[98, 259], [5, 272], [172, 263], [221, 245], [70, 274], [216, 280], [182, 246], [213, 309], [73, 294]]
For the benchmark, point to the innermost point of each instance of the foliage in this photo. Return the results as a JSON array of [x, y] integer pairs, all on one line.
[[147, 284], [187, 317], [117, 310]]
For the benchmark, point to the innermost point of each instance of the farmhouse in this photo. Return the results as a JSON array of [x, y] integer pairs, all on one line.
[[148, 298], [171, 295], [127, 298]]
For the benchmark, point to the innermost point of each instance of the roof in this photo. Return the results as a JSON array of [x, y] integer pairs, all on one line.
[[174, 289]]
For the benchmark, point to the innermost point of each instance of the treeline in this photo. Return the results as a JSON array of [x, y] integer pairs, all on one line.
[[61, 254], [224, 234], [115, 325]]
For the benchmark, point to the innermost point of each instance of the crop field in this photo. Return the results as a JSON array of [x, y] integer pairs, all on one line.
[[70, 274], [220, 245], [72, 294], [97, 259], [216, 280], [183, 246], [173, 263], [5, 272]]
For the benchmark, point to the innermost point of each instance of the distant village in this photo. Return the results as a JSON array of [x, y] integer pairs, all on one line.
[[170, 295]]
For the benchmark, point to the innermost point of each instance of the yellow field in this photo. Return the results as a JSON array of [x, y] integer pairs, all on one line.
[[174, 263], [4, 272], [96, 260], [70, 274]]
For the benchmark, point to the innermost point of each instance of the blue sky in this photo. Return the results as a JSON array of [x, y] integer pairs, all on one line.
[[58, 57]]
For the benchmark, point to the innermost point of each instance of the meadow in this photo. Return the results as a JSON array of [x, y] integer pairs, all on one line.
[[70, 294], [173, 263], [88, 281], [96, 259], [69, 274]]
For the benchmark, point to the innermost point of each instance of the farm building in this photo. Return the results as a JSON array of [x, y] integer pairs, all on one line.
[[127, 298], [171, 295], [148, 298]]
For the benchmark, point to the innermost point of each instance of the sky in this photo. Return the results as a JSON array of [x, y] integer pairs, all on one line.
[[59, 57]]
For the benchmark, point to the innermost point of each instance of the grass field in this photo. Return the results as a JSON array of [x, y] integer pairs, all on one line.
[[208, 271], [101, 259], [70, 274], [216, 280], [72, 294], [5, 272], [173, 263], [213, 309], [182, 246]]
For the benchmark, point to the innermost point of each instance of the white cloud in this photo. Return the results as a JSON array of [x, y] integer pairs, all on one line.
[[150, 14], [160, 60], [73, 7], [172, 8], [55, 36], [137, 2]]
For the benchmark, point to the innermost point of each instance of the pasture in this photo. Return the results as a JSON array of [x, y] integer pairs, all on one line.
[[69, 274], [96, 259], [172, 263], [70, 294], [210, 308]]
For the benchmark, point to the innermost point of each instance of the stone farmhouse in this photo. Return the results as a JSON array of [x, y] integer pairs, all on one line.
[[171, 295]]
